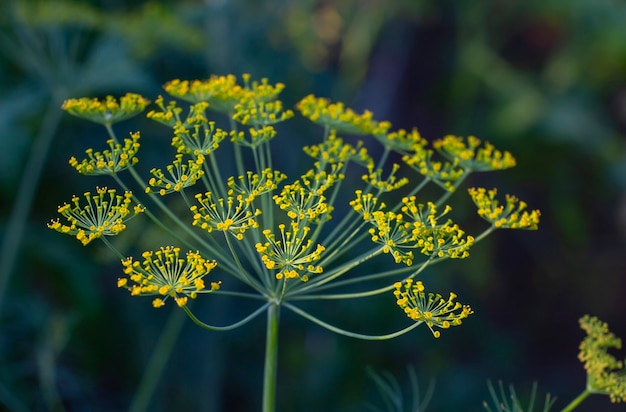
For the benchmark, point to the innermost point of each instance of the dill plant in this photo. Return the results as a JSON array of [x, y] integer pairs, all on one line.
[[271, 232]]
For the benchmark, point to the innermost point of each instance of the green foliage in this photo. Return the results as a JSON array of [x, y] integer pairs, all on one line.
[[392, 393]]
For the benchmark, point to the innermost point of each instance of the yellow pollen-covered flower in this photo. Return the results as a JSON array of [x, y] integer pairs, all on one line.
[[105, 214], [430, 308], [222, 93], [605, 374], [340, 118], [261, 113], [472, 156], [253, 185], [106, 111], [181, 176], [401, 140], [392, 182], [511, 215], [165, 273], [444, 174], [293, 255], [233, 214], [200, 138], [109, 162]]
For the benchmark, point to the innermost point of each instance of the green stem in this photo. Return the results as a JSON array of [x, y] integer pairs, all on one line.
[[573, 404], [14, 231], [344, 332], [225, 328], [448, 193], [156, 364], [271, 358]]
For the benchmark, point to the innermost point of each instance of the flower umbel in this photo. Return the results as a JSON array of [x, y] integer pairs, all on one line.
[[430, 308], [109, 162], [340, 118], [471, 155], [105, 214], [107, 111], [233, 214], [512, 215], [292, 254], [283, 229], [445, 174], [182, 176], [605, 374], [165, 273]]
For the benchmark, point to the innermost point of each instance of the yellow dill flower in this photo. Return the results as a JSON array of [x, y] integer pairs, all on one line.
[[164, 273], [394, 234], [471, 156], [105, 214], [374, 178], [445, 239], [253, 185], [221, 92], [443, 174], [333, 150], [401, 140], [107, 111], [366, 204], [255, 136], [202, 138], [340, 118], [300, 201], [233, 214], [260, 113], [430, 308], [416, 228], [293, 254], [169, 115], [182, 176], [109, 162], [261, 91], [512, 215], [605, 374]]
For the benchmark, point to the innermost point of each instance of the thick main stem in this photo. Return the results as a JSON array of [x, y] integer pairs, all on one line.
[[574, 404], [271, 358]]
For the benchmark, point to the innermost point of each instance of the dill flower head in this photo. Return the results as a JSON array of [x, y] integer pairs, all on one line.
[[181, 176], [105, 214], [337, 117], [419, 227], [292, 255], [164, 273], [511, 215], [199, 138], [233, 214], [605, 374], [471, 155], [260, 113], [401, 140], [430, 308], [222, 93], [444, 174], [109, 162], [108, 110]]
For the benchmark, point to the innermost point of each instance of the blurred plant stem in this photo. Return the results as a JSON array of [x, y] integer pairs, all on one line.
[[157, 362], [271, 358], [574, 404], [28, 184]]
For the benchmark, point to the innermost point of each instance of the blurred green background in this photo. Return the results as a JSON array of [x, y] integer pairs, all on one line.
[[545, 80]]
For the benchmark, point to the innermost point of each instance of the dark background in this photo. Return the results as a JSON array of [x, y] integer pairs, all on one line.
[[545, 80]]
